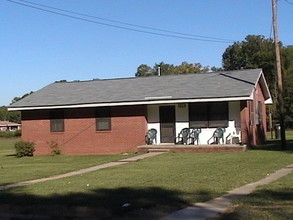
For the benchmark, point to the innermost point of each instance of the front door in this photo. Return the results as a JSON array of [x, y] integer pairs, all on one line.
[[167, 124]]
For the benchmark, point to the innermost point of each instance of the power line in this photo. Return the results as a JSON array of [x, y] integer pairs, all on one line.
[[183, 35], [125, 23]]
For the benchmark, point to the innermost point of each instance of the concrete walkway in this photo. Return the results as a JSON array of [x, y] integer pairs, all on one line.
[[217, 206], [85, 170]]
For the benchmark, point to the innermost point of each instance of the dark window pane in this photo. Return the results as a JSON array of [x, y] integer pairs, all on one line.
[[103, 124], [198, 115], [208, 114], [218, 114], [57, 125], [103, 119], [57, 121]]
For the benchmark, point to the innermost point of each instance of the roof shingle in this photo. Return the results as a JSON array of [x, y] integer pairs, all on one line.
[[173, 87]]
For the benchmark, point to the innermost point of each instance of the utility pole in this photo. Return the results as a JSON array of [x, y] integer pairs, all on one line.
[[281, 110]]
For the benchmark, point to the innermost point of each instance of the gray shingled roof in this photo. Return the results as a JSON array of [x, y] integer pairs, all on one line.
[[173, 87]]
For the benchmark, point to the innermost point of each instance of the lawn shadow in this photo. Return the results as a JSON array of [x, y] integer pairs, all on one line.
[[274, 145], [120, 203], [10, 155]]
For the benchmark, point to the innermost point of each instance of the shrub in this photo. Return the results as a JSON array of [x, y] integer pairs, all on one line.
[[24, 148], [10, 134], [54, 148], [17, 133]]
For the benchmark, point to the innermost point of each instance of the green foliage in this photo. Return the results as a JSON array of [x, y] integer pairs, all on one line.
[[13, 116], [24, 148], [145, 70], [254, 52], [288, 82], [16, 99], [258, 52], [216, 69], [170, 69], [10, 134], [54, 148]]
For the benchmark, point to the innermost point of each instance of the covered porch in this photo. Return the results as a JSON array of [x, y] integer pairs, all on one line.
[[169, 121]]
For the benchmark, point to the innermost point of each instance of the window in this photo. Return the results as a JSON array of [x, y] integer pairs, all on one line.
[[198, 115], [57, 121], [103, 119], [218, 114], [208, 115]]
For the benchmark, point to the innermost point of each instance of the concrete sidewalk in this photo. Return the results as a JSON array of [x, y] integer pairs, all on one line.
[[217, 206], [85, 170]]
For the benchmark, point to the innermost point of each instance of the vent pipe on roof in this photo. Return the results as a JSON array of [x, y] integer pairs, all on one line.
[[159, 71]]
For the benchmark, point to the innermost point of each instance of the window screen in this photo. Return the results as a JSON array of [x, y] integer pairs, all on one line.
[[103, 119], [208, 115], [57, 121]]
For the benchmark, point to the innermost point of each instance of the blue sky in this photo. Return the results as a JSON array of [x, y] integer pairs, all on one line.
[[38, 48]]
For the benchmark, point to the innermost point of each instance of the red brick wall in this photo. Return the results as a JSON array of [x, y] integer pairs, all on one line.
[[244, 117], [128, 124], [251, 133]]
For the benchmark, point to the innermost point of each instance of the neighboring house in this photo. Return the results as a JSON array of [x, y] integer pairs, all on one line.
[[113, 116], [9, 126]]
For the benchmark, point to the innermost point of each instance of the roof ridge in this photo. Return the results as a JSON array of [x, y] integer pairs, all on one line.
[[153, 76], [132, 77]]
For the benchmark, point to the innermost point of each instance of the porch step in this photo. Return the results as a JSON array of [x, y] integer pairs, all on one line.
[[158, 150]]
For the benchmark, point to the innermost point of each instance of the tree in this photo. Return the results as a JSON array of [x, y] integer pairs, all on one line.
[[186, 68], [287, 57], [254, 52], [217, 69], [258, 52], [15, 99], [170, 69], [144, 70], [12, 116], [5, 115]]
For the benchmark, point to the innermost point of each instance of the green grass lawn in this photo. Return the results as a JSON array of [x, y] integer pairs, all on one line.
[[154, 187], [273, 201], [14, 169], [271, 136], [269, 202]]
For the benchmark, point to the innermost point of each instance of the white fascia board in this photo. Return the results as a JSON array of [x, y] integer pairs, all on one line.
[[149, 102], [261, 79], [269, 101]]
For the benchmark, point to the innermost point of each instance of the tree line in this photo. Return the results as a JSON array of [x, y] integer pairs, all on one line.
[[12, 116]]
